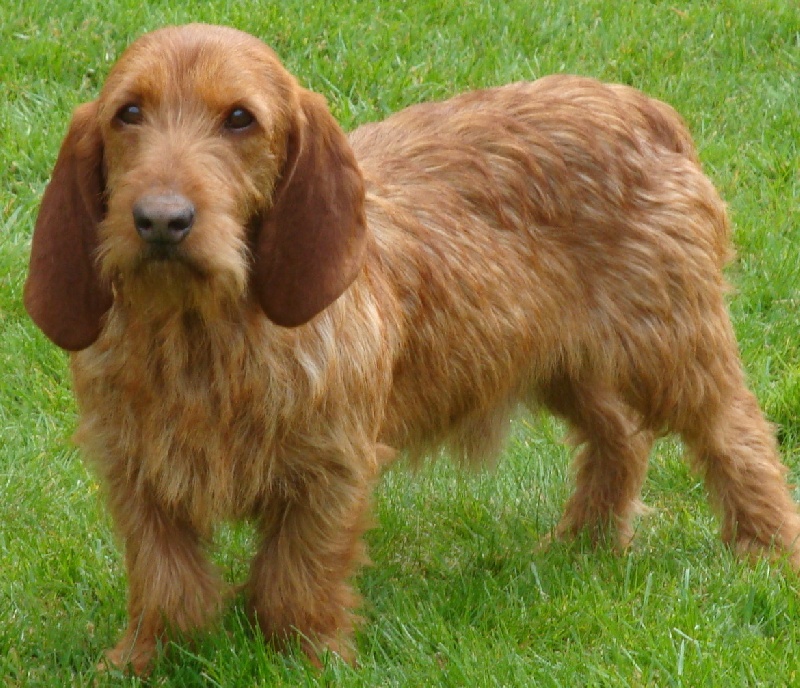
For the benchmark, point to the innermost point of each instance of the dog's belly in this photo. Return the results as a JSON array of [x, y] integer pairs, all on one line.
[[475, 340]]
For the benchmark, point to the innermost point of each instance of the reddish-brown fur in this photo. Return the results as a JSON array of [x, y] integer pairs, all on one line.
[[552, 243]]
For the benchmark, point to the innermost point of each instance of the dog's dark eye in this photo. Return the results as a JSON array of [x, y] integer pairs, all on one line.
[[130, 114], [239, 119]]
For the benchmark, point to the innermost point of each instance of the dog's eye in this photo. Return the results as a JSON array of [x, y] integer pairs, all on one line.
[[130, 114], [239, 119]]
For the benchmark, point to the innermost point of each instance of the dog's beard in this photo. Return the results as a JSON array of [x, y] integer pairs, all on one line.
[[162, 283], [161, 259]]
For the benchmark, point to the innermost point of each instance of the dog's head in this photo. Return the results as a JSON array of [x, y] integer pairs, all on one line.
[[202, 167]]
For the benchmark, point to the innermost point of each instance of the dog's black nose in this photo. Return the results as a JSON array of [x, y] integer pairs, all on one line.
[[163, 219]]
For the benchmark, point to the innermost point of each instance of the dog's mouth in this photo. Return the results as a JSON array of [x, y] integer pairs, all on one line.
[[157, 256], [162, 252]]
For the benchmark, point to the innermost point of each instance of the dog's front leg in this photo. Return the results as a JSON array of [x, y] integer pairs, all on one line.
[[173, 588], [311, 545]]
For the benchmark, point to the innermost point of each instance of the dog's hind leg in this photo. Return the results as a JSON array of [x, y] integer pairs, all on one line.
[[734, 448], [610, 467]]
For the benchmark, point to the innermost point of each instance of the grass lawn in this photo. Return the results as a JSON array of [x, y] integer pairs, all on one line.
[[459, 594]]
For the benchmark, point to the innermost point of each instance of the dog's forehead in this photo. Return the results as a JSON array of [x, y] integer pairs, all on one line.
[[217, 65]]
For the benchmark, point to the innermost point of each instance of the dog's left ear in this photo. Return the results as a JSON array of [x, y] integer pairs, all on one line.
[[63, 293], [312, 242]]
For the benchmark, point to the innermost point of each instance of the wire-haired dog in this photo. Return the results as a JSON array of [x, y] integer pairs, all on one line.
[[263, 309]]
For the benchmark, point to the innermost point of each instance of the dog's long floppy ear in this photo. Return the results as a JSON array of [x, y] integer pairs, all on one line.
[[63, 293], [312, 243]]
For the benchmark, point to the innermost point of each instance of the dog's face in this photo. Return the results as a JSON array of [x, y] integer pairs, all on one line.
[[202, 173], [193, 145]]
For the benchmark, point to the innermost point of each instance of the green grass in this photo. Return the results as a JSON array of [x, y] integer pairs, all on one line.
[[459, 594]]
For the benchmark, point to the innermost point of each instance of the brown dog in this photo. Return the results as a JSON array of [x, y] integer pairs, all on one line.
[[263, 309]]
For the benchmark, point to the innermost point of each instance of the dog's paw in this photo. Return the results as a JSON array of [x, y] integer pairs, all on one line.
[[129, 658]]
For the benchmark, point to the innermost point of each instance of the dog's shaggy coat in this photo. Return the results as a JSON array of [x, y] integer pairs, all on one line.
[[263, 310]]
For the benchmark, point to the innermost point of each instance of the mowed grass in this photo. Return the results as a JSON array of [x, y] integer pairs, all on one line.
[[460, 593]]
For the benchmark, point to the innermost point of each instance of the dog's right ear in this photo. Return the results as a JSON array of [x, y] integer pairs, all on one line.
[[63, 293]]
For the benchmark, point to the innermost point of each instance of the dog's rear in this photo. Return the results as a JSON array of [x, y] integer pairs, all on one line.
[[551, 244], [534, 232]]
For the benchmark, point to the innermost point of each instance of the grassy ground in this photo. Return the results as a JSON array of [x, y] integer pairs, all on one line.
[[459, 594]]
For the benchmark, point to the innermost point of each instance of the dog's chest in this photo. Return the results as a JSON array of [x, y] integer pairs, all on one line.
[[188, 418]]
